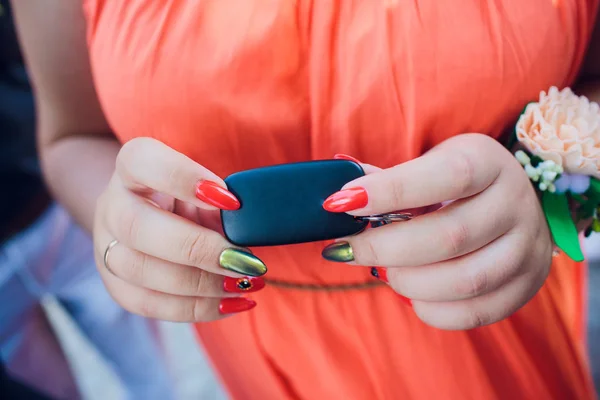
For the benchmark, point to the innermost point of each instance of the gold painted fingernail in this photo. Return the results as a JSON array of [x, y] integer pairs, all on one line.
[[338, 252], [240, 261]]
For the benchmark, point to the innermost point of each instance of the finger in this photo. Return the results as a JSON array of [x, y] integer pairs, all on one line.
[[169, 307], [146, 163], [188, 211], [160, 234], [452, 171], [370, 169], [367, 168], [482, 310], [149, 272], [210, 219], [462, 278], [452, 231]]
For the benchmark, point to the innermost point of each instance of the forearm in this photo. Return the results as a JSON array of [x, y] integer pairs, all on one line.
[[77, 169], [76, 148]]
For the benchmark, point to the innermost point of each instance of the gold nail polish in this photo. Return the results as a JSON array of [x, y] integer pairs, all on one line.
[[242, 262], [338, 252]]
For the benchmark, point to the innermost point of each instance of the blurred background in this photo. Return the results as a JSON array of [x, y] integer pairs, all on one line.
[[46, 298]]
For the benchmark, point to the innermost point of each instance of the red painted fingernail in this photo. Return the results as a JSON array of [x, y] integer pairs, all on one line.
[[345, 157], [405, 300], [346, 200], [241, 285], [235, 305], [215, 195], [380, 273]]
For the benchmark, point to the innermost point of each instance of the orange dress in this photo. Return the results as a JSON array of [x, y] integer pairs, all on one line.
[[248, 83]]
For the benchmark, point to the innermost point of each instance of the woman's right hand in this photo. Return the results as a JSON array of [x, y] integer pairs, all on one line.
[[165, 264]]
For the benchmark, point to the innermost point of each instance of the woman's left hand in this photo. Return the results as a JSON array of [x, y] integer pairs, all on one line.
[[471, 263]]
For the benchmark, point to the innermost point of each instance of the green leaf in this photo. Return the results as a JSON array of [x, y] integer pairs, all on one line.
[[564, 232], [593, 193], [586, 210]]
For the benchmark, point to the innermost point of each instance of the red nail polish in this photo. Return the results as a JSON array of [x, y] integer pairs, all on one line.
[[345, 157], [235, 305], [346, 200], [380, 273], [405, 300], [215, 195], [241, 285]]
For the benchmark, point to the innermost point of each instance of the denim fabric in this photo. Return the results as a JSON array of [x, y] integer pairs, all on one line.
[[55, 257]]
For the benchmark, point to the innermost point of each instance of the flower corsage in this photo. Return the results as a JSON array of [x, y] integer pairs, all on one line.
[[559, 138]]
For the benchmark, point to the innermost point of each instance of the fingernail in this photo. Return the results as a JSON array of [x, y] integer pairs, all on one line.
[[215, 195], [405, 300], [380, 273], [345, 157], [152, 202], [338, 252], [235, 305], [240, 285], [346, 200], [242, 262]]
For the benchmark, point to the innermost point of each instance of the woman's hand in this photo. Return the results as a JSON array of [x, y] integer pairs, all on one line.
[[164, 264], [471, 263]]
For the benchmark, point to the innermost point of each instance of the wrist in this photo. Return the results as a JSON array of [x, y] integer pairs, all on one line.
[[77, 170]]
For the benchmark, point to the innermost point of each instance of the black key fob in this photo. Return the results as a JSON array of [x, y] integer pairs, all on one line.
[[283, 204]]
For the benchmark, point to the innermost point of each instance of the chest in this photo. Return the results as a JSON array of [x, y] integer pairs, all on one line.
[[293, 80]]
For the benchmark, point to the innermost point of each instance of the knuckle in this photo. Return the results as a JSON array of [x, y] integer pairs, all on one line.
[[455, 238], [509, 266], [137, 268], [128, 223], [366, 253], [200, 284], [396, 191], [132, 268], [200, 311], [476, 319], [462, 168], [196, 247], [475, 285]]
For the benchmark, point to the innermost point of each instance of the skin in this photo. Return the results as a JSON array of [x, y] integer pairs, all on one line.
[[472, 263]]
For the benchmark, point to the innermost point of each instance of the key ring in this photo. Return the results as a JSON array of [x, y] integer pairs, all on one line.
[[302, 187]]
